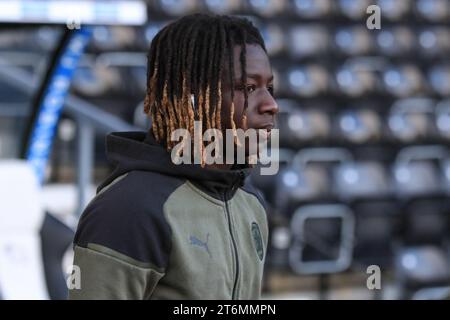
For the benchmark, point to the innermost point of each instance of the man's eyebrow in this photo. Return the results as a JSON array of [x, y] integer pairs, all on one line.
[[256, 76]]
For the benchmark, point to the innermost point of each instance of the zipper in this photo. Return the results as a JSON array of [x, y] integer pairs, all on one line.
[[233, 295]]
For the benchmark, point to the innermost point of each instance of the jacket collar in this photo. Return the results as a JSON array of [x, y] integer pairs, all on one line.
[[138, 150]]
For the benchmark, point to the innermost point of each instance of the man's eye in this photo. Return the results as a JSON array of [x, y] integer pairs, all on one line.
[[251, 88]]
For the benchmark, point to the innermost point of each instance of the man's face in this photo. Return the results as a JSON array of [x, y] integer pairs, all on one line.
[[262, 107]]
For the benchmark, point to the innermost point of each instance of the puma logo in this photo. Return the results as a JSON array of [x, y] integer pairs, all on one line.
[[199, 243]]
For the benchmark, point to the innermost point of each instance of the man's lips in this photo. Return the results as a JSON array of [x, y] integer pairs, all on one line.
[[265, 131], [266, 127]]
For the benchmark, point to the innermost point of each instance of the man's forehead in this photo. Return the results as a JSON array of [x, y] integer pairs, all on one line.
[[257, 61]]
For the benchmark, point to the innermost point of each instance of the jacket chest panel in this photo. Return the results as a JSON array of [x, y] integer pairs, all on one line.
[[213, 250]]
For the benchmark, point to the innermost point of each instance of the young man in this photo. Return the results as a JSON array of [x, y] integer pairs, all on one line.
[[160, 230]]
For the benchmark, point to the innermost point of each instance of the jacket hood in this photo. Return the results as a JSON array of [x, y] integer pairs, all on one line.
[[138, 150]]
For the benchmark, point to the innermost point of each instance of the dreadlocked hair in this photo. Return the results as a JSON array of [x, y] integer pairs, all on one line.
[[187, 58]]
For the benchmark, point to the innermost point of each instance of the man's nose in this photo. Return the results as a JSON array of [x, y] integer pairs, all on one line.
[[269, 105]]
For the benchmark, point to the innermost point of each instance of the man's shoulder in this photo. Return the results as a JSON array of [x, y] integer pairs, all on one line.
[[249, 188], [137, 183], [127, 216], [135, 195]]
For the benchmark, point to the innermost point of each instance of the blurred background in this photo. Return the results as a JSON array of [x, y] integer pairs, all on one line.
[[364, 180]]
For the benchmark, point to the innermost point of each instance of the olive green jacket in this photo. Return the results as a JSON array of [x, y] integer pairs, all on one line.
[[156, 230]]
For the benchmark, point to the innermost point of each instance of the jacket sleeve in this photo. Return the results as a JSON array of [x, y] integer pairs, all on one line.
[[108, 275], [121, 246]]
